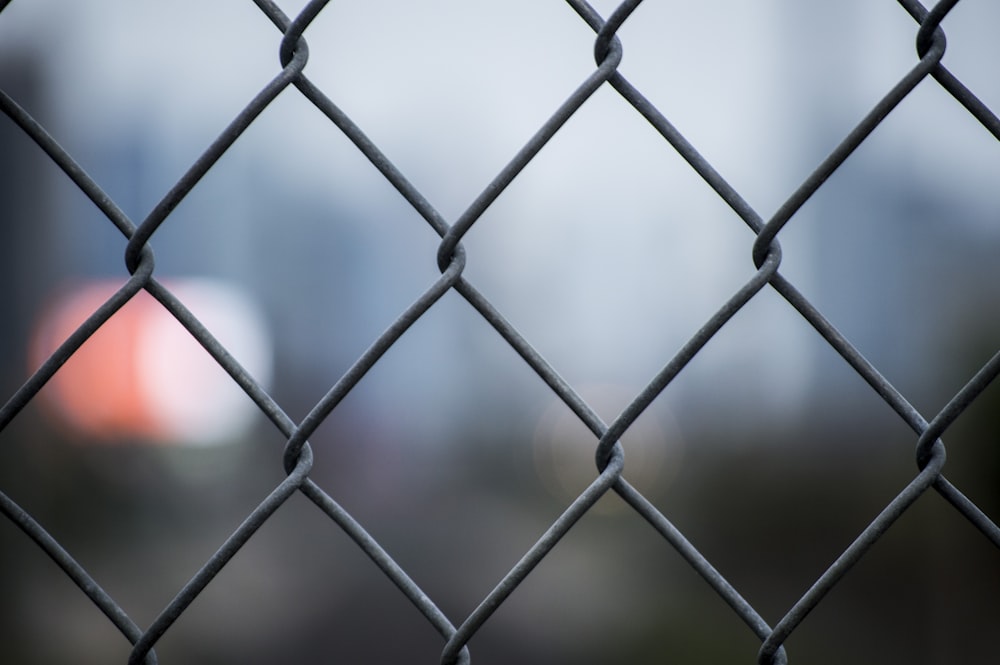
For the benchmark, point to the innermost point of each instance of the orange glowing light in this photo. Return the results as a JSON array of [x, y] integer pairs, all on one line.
[[141, 376]]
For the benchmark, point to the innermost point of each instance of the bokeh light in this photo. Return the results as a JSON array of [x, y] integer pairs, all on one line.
[[564, 447], [142, 376]]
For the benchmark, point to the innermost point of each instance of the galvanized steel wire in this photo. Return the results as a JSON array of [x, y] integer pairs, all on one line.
[[765, 255]]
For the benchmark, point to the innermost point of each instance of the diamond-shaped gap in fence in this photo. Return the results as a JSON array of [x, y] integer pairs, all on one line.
[[771, 517], [171, 57], [140, 520], [735, 435], [451, 105], [729, 78], [443, 398], [299, 589], [311, 249], [142, 377], [394, 403], [649, 592], [878, 228], [53, 604], [944, 149], [631, 596], [706, 70], [937, 574], [800, 535], [39, 598], [179, 511], [630, 249], [819, 88]]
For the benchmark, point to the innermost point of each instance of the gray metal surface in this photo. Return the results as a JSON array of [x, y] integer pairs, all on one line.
[[766, 257]]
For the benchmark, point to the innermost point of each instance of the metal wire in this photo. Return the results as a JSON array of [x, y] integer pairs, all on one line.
[[766, 258]]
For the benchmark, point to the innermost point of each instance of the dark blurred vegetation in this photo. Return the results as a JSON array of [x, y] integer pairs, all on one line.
[[770, 516]]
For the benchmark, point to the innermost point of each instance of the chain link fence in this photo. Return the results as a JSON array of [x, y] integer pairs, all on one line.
[[458, 630]]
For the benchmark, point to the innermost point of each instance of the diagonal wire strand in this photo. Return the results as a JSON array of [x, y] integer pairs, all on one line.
[[451, 260]]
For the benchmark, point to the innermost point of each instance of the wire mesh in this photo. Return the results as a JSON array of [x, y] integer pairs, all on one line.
[[458, 631]]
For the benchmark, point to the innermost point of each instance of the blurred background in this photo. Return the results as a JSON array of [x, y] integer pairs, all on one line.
[[607, 253]]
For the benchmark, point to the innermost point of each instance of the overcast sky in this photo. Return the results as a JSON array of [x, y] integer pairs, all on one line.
[[607, 252]]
